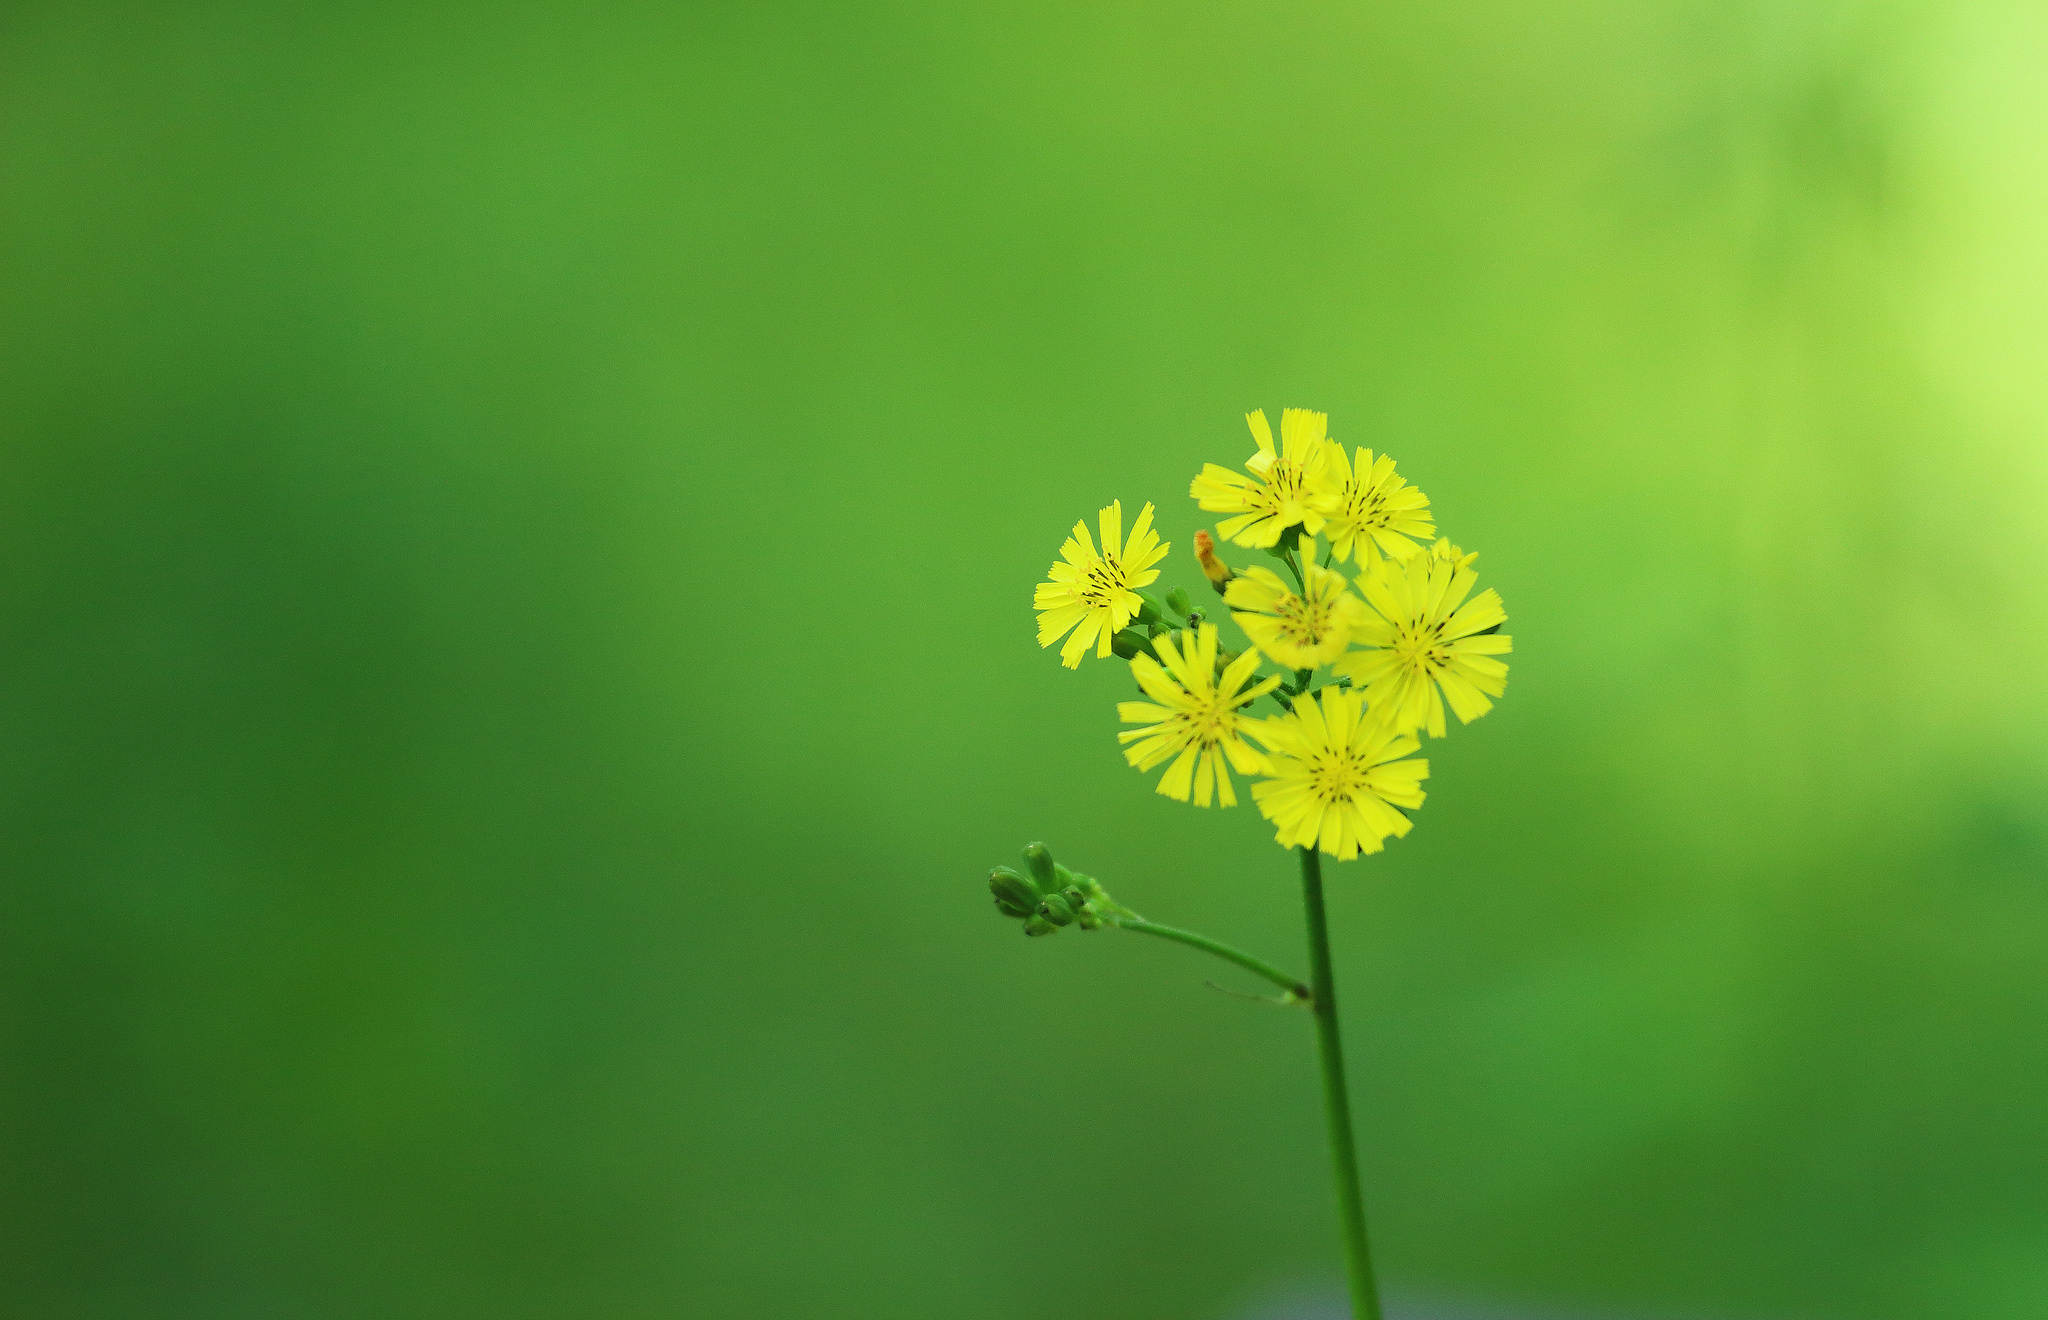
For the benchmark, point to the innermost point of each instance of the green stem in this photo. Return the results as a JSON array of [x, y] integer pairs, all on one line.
[[1365, 1301], [1292, 558], [1223, 951]]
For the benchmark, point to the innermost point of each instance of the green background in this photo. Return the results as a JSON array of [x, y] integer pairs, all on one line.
[[517, 525]]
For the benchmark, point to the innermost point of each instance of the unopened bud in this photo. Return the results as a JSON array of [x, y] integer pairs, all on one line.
[[1130, 643], [1039, 926], [1214, 569], [1013, 891], [1150, 610], [1177, 599], [1039, 858], [1055, 909]]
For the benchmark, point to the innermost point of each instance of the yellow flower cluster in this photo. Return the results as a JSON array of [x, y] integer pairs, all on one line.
[[1335, 764]]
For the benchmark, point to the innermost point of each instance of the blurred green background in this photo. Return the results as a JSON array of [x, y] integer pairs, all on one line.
[[516, 534]]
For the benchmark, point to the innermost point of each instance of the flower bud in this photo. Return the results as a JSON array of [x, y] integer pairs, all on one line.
[[1214, 569], [1039, 858], [1039, 926], [1177, 598], [1056, 910], [1012, 891], [1150, 610], [1130, 643]]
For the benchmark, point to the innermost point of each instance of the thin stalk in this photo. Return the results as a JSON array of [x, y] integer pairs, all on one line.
[[1292, 558], [1253, 965], [1365, 1299]]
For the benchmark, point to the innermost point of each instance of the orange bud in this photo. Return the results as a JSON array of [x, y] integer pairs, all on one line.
[[1213, 568]]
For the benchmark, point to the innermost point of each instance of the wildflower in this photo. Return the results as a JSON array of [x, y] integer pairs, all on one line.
[[1197, 720], [1376, 508], [1284, 489], [1096, 594], [1299, 630], [1425, 644], [1214, 569], [1336, 774]]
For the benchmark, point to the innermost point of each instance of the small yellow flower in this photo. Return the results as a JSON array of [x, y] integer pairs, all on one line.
[[1336, 775], [1425, 644], [1095, 594], [1292, 486], [1301, 630], [1197, 720], [1376, 508]]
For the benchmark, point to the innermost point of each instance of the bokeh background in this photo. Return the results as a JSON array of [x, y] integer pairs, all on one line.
[[517, 524]]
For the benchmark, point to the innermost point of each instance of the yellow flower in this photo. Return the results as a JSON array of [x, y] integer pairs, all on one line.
[[1425, 643], [1292, 486], [1095, 594], [1197, 719], [1376, 507], [1302, 630], [1336, 774]]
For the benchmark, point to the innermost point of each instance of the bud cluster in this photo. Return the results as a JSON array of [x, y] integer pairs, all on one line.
[[1046, 896]]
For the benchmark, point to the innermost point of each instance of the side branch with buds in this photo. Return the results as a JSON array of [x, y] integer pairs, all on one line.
[[1046, 896]]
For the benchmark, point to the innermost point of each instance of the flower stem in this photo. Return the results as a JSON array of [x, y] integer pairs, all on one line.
[[1365, 1301], [1292, 558], [1223, 951]]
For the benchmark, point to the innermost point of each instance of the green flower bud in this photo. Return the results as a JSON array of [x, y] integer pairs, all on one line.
[[1177, 600], [1039, 926], [1055, 909], [1039, 858], [1010, 909], [1129, 644], [1151, 611], [1013, 891]]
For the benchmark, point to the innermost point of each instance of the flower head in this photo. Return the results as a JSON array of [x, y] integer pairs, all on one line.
[[1425, 644], [1197, 720], [1299, 630], [1376, 509], [1336, 775], [1283, 489], [1095, 593]]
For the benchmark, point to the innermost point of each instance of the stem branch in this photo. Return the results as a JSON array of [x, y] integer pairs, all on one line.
[[1365, 1301], [1253, 965]]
